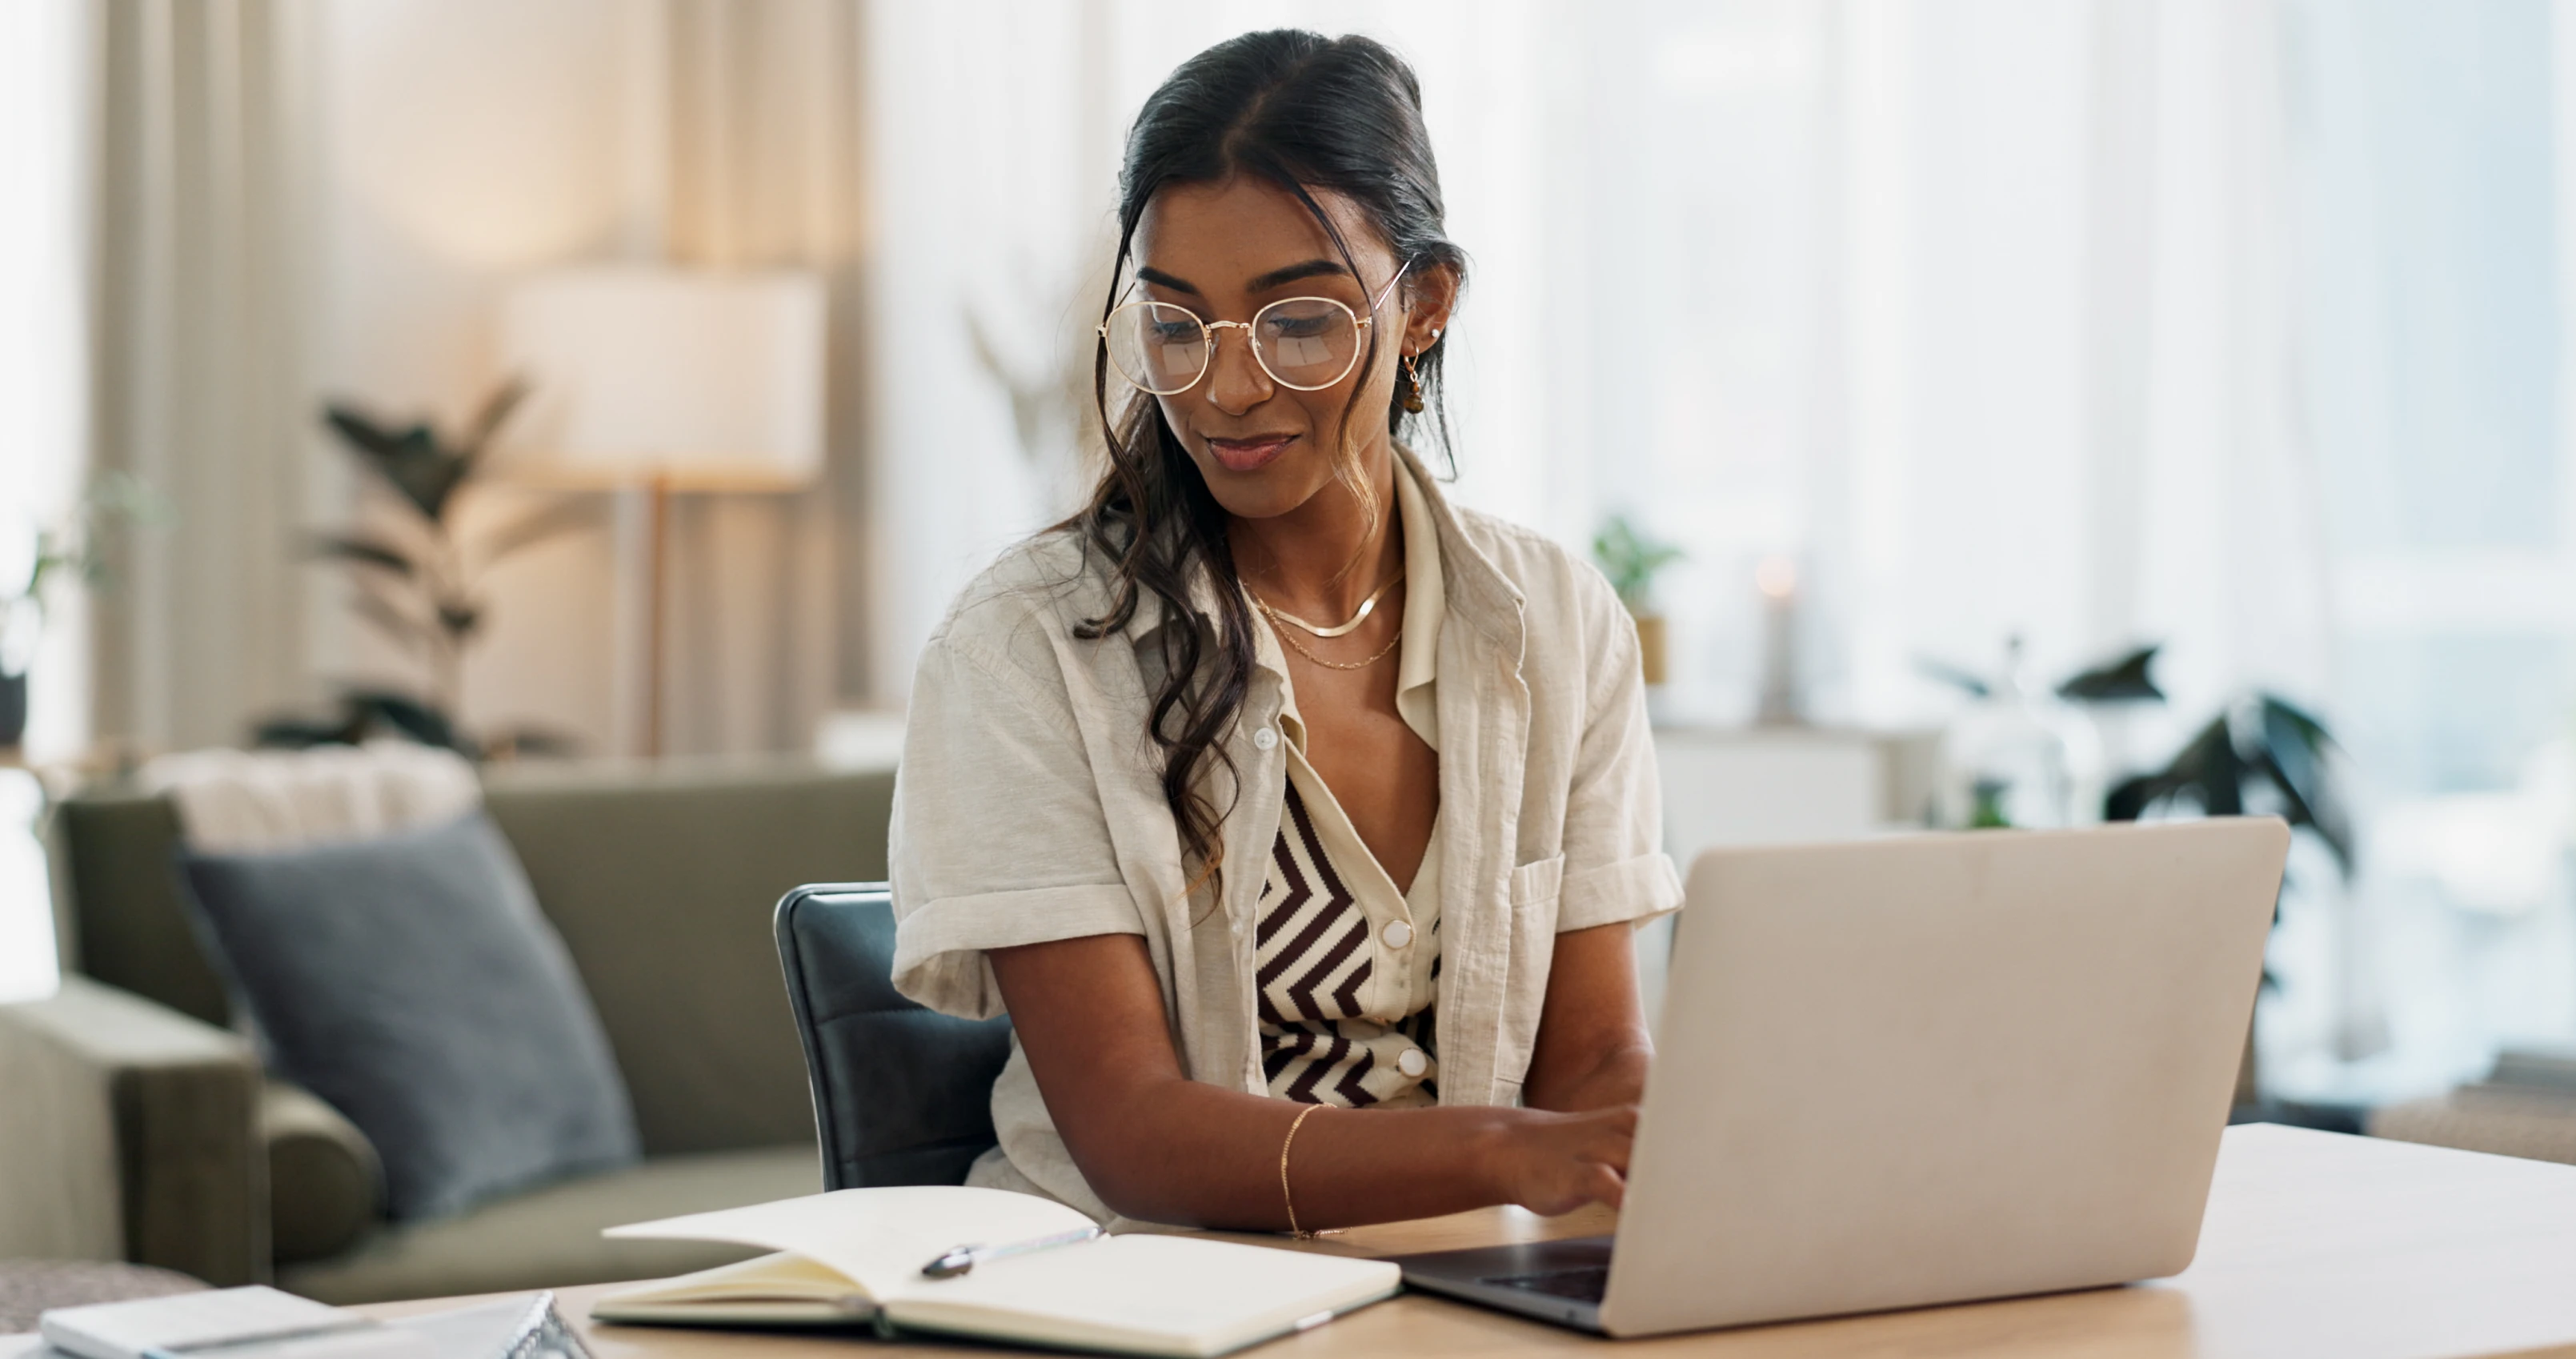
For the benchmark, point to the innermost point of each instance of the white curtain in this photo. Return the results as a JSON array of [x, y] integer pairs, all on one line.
[[2066, 354], [763, 170], [198, 386], [1972, 308]]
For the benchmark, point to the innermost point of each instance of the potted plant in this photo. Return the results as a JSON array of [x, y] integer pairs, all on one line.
[[419, 583], [74, 550], [2024, 755], [1630, 560]]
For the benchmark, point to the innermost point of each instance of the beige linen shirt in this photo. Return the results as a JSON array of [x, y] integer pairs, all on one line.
[[1028, 809]]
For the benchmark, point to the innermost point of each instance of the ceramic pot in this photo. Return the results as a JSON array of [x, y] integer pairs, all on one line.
[[13, 708], [1650, 646]]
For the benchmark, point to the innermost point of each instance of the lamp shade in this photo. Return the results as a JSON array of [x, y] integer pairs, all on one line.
[[695, 379]]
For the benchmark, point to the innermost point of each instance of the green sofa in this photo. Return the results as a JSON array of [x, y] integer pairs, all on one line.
[[152, 1133]]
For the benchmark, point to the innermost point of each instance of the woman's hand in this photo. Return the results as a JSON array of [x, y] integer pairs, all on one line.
[[1161, 1147], [1555, 1163]]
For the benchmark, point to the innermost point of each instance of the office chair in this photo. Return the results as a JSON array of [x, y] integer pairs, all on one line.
[[902, 1095]]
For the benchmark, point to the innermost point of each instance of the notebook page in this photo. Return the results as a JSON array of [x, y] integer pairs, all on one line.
[[1147, 1293], [879, 1238]]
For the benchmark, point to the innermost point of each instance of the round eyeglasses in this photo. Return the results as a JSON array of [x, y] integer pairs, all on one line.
[[1304, 343]]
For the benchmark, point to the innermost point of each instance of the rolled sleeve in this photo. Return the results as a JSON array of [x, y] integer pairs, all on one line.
[[1632, 891], [998, 838], [1615, 867]]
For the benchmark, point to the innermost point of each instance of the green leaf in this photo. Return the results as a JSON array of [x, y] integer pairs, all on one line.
[[364, 551], [402, 630], [1630, 559], [297, 733], [537, 526], [2117, 681], [488, 418], [459, 618], [2295, 752], [2206, 771], [408, 715], [409, 460], [1960, 677]]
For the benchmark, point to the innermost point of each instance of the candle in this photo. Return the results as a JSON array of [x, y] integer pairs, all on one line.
[[1777, 580]]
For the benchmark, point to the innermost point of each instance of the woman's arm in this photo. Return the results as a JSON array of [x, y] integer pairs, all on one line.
[[1159, 1146], [1593, 1048]]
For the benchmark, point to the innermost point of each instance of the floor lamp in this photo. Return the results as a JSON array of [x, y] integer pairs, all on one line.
[[665, 382]]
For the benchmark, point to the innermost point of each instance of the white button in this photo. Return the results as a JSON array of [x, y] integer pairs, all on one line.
[[1397, 934], [1264, 739], [1413, 1063]]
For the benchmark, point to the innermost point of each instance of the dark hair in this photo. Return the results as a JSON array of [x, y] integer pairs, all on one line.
[[1308, 113]]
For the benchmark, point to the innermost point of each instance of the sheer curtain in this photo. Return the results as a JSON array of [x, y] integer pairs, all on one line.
[[42, 424], [1972, 308], [198, 383], [764, 112]]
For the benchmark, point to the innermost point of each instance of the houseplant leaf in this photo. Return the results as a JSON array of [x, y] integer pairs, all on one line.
[[2206, 770], [489, 417], [409, 716], [537, 526], [410, 460], [2122, 680], [404, 631], [2294, 750], [365, 551], [1960, 677]]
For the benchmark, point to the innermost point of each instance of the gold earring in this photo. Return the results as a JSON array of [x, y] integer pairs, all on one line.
[[1412, 387]]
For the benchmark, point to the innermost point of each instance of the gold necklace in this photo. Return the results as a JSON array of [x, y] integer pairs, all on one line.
[[1366, 607], [1299, 648]]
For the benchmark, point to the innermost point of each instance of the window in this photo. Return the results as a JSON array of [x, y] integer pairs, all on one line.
[[41, 405]]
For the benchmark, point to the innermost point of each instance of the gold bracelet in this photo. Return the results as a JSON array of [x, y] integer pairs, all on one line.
[[1290, 1199]]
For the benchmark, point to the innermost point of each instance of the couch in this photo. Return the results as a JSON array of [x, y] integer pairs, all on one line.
[[143, 1128]]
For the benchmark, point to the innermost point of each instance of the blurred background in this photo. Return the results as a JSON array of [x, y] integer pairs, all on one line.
[[591, 383]]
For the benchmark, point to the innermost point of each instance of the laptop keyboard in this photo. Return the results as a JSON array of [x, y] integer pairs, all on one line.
[[1584, 1283]]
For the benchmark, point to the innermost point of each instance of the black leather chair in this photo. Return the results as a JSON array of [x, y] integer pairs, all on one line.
[[902, 1095]]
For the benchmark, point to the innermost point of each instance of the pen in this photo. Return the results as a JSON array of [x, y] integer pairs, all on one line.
[[960, 1259]]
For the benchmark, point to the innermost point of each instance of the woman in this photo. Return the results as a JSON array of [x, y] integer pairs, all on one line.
[[1299, 821]]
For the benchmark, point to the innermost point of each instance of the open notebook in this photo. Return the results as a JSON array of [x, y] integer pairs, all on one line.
[[856, 1256]]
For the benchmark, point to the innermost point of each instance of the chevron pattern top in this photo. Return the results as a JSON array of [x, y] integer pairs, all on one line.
[[1346, 1015], [1348, 964]]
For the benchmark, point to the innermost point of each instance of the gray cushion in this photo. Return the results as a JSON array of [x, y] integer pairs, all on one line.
[[549, 1238], [409, 981]]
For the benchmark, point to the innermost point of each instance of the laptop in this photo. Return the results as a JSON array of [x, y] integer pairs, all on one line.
[[1923, 1070]]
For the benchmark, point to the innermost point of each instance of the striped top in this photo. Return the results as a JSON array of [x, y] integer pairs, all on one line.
[[1347, 964]]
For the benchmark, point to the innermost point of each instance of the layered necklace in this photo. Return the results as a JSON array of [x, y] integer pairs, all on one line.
[[1367, 606]]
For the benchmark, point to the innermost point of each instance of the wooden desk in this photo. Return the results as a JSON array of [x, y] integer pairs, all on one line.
[[2315, 1244]]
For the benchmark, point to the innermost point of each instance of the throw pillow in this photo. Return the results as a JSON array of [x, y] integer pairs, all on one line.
[[410, 981]]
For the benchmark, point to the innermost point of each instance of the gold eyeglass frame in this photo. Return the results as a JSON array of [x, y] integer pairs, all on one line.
[[1207, 364]]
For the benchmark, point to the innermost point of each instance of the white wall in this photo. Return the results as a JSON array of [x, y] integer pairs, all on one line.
[[462, 142]]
